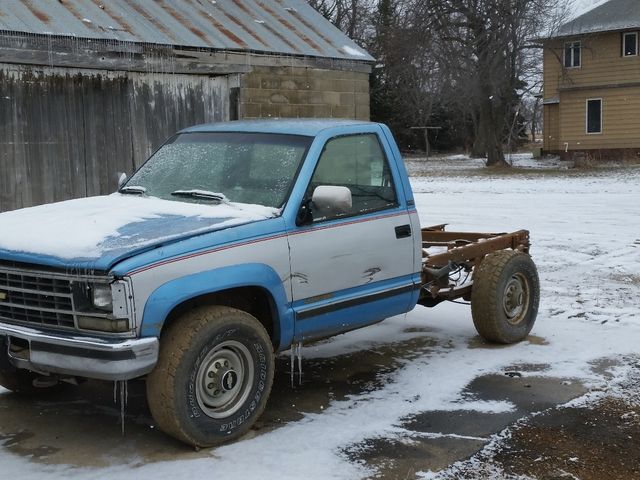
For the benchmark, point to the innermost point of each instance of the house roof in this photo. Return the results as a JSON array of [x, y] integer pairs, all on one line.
[[289, 27], [613, 15]]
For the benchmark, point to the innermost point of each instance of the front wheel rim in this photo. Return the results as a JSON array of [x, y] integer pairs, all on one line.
[[516, 299], [224, 379]]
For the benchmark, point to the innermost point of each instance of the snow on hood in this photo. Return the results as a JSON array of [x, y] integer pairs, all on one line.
[[89, 228]]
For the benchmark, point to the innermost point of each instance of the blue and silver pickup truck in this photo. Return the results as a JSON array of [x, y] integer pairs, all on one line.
[[233, 242]]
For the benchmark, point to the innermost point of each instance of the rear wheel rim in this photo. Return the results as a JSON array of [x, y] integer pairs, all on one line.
[[516, 299], [224, 379]]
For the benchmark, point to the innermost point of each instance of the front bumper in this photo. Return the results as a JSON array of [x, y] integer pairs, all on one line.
[[105, 359]]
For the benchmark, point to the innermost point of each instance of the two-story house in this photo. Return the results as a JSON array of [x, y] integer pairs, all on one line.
[[592, 84]]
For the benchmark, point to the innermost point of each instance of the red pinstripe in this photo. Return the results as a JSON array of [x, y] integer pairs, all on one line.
[[264, 239]]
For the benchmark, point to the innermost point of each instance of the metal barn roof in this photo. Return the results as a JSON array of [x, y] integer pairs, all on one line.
[[613, 15], [289, 27]]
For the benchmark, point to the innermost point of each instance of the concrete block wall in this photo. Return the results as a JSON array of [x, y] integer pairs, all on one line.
[[297, 92]]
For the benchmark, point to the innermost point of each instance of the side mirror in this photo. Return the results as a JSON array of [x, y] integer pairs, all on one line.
[[122, 179], [330, 200]]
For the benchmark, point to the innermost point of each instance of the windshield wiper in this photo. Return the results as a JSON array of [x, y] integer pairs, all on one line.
[[133, 189], [204, 194]]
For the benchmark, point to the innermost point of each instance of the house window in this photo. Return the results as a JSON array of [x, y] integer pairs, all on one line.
[[594, 115], [572, 54], [630, 44]]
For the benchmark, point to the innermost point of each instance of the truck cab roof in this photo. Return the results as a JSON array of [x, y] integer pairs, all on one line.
[[306, 127]]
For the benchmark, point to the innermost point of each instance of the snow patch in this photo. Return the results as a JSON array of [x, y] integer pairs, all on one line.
[[353, 51], [84, 228], [580, 7]]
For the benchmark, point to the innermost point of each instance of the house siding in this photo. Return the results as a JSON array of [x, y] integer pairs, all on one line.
[[620, 119], [604, 73]]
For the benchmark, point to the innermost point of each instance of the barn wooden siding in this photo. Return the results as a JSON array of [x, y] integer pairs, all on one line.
[[66, 133]]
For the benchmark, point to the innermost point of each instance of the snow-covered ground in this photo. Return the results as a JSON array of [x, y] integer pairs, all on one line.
[[586, 243]]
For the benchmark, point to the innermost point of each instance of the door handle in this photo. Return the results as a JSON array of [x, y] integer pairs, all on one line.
[[403, 231]]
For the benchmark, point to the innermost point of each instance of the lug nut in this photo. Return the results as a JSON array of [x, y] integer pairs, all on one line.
[[210, 386], [226, 363], [217, 364], [210, 374]]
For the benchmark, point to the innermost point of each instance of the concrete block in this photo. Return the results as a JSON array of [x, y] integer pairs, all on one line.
[[343, 112], [250, 110], [289, 111], [267, 110], [363, 99], [347, 99], [250, 80], [278, 98], [315, 111]]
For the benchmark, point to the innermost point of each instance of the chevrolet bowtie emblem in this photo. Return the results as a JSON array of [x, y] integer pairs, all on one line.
[[3, 296]]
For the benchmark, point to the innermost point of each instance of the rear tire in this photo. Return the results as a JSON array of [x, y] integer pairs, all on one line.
[[505, 296], [213, 376]]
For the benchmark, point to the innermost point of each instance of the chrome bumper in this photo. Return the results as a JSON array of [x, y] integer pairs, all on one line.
[[47, 352]]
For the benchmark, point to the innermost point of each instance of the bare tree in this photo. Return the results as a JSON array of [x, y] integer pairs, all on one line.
[[483, 48], [464, 64], [350, 16]]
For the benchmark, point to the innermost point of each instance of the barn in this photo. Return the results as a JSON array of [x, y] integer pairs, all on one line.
[[90, 88]]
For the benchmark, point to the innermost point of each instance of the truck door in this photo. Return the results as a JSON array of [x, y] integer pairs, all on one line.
[[353, 266]]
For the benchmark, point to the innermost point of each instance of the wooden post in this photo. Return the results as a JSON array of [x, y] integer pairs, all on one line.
[[425, 130]]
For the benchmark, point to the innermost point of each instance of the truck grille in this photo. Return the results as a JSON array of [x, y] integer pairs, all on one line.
[[32, 298]]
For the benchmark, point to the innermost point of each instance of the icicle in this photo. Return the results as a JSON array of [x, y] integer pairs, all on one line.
[[296, 352], [299, 353], [124, 398], [292, 362]]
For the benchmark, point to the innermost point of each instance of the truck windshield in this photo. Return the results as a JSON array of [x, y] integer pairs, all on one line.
[[214, 167]]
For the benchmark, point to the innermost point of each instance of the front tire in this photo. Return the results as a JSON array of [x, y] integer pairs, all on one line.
[[505, 296], [213, 376]]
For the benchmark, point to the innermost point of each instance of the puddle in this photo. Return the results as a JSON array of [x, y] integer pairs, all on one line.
[[466, 423], [479, 342], [528, 394], [403, 459], [335, 378], [81, 425], [440, 438]]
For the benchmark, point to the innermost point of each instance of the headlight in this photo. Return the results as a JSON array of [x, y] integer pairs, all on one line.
[[112, 300], [101, 296]]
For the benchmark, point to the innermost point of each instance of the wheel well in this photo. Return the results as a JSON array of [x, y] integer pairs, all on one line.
[[253, 300]]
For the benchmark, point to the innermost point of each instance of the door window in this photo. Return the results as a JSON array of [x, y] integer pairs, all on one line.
[[358, 163]]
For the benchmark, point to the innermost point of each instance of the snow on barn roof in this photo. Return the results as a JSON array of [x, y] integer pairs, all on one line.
[[289, 27], [613, 15]]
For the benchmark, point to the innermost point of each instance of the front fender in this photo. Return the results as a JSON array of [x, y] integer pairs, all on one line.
[[168, 296]]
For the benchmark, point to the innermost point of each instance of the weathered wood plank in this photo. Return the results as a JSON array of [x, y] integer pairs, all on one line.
[[66, 133]]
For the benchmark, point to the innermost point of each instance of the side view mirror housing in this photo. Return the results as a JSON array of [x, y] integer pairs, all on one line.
[[122, 179], [330, 200]]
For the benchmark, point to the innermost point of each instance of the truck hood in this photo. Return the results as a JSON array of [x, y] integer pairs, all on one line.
[[95, 233]]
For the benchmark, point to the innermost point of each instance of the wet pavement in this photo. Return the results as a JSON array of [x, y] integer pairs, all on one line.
[[81, 425], [437, 439]]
